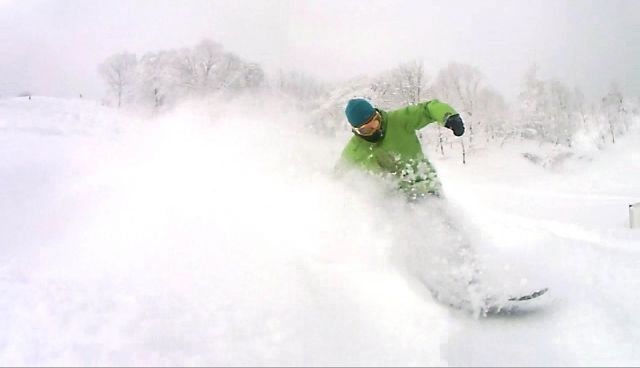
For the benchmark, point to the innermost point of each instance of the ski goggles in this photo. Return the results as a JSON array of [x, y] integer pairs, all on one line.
[[370, 127]]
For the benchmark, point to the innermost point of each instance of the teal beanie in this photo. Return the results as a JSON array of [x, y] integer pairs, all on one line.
[[358, 111]]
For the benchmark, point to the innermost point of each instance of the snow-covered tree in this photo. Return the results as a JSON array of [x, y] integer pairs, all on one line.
[[460, 85], [120, 73], [492, 115], [548, 110], [169, 75], [409, 82], [157, 78], [581, 107], [298, 84], [229, 73], [560, 124], [197, 68], [532, 104], [406, 84], [253, 76], [403, 85], [483, 109], [614, 111]]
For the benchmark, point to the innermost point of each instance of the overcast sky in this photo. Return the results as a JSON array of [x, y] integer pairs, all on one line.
[[53, 47]]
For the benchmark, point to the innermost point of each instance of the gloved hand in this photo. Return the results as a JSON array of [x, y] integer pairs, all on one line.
[[454, 122]]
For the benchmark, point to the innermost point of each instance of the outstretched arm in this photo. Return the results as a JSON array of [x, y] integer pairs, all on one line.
[[420, 115], [445, 115], [440, 111]]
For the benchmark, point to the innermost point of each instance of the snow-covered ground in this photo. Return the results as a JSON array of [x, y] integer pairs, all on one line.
[[219, 235]]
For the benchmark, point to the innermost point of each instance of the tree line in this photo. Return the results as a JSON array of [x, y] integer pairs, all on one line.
[[165, 77], [545, 111]]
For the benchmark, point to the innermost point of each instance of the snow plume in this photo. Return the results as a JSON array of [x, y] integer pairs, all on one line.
[[209, 236]]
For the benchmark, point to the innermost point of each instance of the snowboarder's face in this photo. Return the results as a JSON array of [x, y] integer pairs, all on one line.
[[370, 127]]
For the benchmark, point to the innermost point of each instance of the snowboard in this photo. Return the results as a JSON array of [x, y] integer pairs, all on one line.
[[500, 306], [529, 296]]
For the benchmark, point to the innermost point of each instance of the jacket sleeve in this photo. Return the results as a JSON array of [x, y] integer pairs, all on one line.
[[420, 115]]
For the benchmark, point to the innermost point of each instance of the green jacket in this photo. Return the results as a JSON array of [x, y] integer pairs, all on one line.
[[399, 154]]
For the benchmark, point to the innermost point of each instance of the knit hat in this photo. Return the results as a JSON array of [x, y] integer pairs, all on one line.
[[359, 111]]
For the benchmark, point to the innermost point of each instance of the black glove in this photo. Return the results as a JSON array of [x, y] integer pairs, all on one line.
[[454, 122]]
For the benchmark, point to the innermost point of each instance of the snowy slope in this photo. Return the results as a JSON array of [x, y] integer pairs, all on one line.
[[570, 229], [219, 235]]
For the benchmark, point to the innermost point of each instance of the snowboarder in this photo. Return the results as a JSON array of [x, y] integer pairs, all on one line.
[[385, 143]]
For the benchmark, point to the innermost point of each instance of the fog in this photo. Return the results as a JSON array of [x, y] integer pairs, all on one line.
[[53, 47]]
